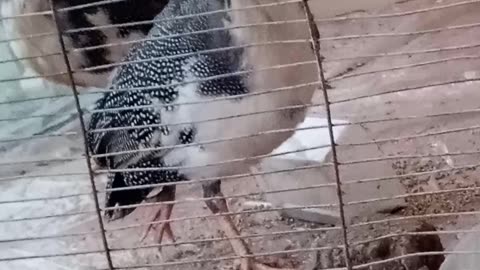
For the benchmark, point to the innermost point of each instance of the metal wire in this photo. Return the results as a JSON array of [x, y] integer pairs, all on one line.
[[11, 163], [151, 21], [416, 217], [430, 85], [36, 137], [43, 256], [399, 14], [393, 54], [296, 232], [325, 39], [121, 63], [315, 36], [230, 258], [50, 175], [300, 250], [163, 168], [295, 207], [412, 195], [36, 238], [94, 28], [421, 135], [83, 126], [327, 59], [415, 65], [108, 66], [210, 240], [256, 193], [12, 220], [401, 257], [335, 162], [317, 20]]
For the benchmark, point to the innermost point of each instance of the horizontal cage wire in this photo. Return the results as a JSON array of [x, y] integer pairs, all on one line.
[[282, 134]]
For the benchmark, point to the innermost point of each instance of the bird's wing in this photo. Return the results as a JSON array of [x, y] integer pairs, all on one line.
[[147, 84], [126, 127]]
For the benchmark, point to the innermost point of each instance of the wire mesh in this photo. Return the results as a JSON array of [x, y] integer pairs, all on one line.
[[382, 174]]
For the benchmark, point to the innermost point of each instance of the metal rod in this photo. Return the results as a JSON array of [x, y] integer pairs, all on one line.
[[84, 133], [399, 14], [416, 217], [315, 36], [36, 137], [414, 65]]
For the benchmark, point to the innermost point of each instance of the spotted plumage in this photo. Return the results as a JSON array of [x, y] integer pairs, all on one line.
[[191, 102], [156, 67]]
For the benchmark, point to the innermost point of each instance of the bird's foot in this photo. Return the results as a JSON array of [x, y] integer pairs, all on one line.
[[94, 167], [251, 264], [162, 229], [161, 225]]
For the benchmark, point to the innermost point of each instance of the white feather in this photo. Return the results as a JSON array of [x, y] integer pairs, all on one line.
[[256, 57]]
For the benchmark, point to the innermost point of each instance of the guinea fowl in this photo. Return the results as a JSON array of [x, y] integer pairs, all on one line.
[[158, 102]]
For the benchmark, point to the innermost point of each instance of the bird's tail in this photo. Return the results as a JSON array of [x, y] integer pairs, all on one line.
[[118, 198]]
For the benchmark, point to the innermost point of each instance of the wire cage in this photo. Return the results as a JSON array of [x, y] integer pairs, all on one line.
[[381, 173]]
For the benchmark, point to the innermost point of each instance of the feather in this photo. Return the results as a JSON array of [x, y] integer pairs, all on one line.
[[157, 99], [116, 25], [135, 178]]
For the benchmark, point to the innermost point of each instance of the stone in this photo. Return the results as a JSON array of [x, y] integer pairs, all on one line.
[[296, 188], [469, 244]]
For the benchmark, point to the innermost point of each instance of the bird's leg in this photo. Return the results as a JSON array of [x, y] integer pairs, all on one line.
[[219, 206], [95, 167], [162, 215]]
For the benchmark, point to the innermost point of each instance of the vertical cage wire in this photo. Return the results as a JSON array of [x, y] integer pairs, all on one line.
[[315, 41], [84, 136], [338, 163]]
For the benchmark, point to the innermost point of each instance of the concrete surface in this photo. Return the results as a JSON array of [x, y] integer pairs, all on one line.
[[316, 185], [469, 242]]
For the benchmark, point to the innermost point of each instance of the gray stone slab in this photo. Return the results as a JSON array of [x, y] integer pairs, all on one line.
[[316, 187], [469, 243]]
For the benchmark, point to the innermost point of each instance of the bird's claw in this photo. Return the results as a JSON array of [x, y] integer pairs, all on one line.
[[163, 228], [250, 264], [95, 167], [161, 220], [145, 234]]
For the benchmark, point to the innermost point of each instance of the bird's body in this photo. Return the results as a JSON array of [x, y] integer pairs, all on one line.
[[172, 125], [201, 122]]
